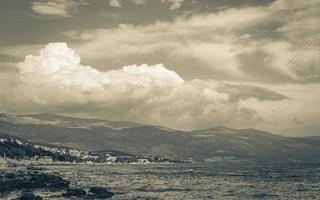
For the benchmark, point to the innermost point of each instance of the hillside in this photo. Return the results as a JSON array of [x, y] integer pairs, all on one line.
[[15, 148], [211, 145], [19, 149]]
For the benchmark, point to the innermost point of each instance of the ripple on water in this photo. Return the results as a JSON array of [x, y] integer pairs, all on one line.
[[205, 182]]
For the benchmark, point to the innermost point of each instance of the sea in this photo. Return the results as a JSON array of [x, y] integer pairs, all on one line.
[[196, 181]]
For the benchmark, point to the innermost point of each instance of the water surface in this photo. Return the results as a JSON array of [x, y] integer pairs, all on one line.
[[207, 181]]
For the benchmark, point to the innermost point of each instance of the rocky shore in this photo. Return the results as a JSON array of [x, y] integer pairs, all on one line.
[[25, 183]]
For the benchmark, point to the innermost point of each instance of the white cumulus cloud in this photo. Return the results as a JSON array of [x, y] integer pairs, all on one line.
[[55, 81]]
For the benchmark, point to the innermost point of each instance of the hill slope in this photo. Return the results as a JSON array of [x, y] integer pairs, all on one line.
[[216, 144]]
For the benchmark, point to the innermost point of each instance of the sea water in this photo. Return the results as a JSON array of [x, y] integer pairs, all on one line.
[[199, 181]]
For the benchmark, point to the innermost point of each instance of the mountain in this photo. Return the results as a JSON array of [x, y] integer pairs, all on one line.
[[65, 121], [218, 144]]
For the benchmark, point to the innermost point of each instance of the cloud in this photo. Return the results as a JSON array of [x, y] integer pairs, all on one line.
[[303, 104], [118, 3], [174, 4], [19, 51], [208, 40], [139, 2], [55, 81], [59, 8], [239, 92], [282, 60], [7, 67], [115, 3], [79, 35], [228, 63], [275, 43], [299, 21]]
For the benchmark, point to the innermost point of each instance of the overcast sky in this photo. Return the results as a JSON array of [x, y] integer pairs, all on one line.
[[184, 64]]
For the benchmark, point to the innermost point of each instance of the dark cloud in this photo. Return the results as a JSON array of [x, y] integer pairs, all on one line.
[[243, 91], [256, 65]]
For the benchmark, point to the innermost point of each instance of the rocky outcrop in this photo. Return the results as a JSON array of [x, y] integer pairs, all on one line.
[[22, 180], [29, 180], [100, 193], [29, 196]]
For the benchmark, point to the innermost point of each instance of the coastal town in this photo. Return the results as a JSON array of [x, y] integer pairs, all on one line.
[[18, 152]]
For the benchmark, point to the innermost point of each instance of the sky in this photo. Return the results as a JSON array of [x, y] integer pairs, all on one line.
[[183, 64]]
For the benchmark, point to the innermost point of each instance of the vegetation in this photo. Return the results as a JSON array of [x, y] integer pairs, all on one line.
[[14, 149]]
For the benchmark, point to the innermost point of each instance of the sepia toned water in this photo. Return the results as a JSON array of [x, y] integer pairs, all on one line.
[[206, 181], [177, 181]]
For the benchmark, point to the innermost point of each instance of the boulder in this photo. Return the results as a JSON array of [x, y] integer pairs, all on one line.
[[100, 193], [48, 181], [29, 196]]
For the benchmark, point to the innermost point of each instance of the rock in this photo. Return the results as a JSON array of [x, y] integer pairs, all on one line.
[[29, 196], [34, 168], [74, 192], [30, 180], [100, 193], [48, 181]]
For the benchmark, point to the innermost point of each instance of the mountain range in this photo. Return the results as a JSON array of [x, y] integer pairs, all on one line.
[[219, 144]]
